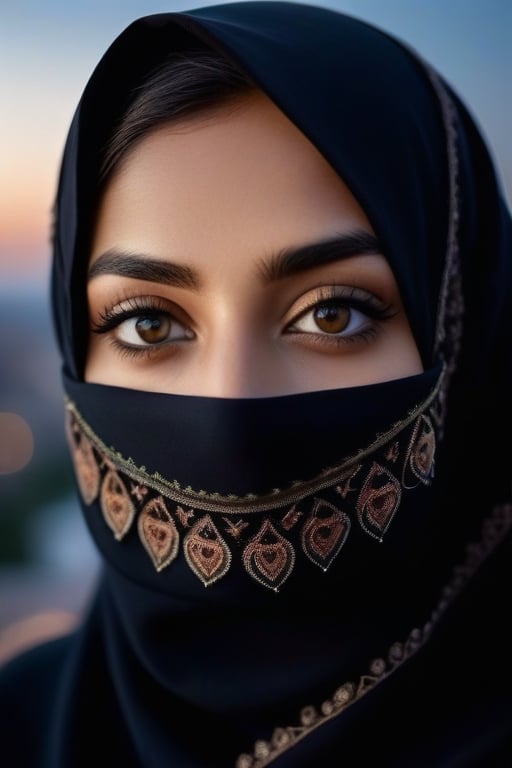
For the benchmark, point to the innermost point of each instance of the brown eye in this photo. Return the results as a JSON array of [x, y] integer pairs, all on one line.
[[331, 318], [338, 318], [146, 330], [153, 330]]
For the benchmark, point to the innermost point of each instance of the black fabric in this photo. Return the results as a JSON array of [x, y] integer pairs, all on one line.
[[398, 628], [249, 445]]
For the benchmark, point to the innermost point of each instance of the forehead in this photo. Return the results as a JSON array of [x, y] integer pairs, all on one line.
[[241, 177]]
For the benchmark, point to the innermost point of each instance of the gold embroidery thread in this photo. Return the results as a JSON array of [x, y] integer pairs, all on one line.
[[158, 533]]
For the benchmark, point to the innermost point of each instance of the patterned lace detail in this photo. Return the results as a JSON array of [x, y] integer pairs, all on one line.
[[494, 531], [313, 517]]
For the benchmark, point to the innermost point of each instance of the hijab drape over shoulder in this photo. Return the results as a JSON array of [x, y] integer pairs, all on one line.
[[298, 580]]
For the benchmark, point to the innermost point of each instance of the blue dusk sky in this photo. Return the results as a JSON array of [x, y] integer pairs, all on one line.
[[48, 50]]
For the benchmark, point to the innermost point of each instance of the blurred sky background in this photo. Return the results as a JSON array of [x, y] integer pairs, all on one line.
[[48, 49], [47, 52]]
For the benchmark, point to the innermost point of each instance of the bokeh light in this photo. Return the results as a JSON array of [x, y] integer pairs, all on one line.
[[16, 443]]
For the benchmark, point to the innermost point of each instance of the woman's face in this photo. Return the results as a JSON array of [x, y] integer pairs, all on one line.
[[229, 260]]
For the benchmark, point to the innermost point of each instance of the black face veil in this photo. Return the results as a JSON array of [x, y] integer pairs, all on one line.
[[427, 457]]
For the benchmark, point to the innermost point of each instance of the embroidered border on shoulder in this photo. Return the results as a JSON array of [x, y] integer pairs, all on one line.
[[495, 528]]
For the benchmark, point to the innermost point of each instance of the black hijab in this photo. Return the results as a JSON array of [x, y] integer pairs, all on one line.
[[353, 542]]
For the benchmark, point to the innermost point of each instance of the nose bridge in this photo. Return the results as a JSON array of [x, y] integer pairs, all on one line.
[[232, 365]]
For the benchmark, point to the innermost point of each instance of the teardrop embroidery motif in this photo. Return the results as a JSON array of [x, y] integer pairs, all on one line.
[[206, 552], [269, 557], [324, 533], [378, 501], [116, 505], [158, 533], [419, 462], [86, 467]]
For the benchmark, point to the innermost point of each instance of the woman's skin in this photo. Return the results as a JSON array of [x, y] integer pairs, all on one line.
[[229, 260]]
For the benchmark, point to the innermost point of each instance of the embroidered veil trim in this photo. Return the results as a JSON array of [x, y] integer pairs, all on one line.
[[312, 518]]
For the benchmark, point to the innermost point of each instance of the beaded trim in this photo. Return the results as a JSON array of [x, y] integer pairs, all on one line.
[[450, 310], [264, 753], [313, 517]]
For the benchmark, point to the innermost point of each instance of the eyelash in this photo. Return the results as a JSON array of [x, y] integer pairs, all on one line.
[[111, 317], [332, 296]]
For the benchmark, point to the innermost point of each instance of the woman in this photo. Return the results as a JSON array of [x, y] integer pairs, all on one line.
[[281, 285]]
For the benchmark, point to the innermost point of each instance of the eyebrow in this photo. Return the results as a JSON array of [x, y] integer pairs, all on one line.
[[286, 263], [143, 267], [290, 261]]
